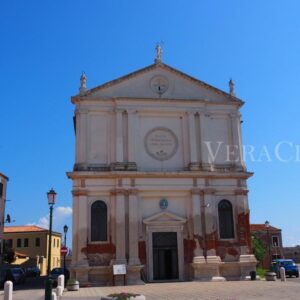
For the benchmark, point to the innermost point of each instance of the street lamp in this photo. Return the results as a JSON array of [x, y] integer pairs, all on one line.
[[65, 244], [51, 195], [267, 224]]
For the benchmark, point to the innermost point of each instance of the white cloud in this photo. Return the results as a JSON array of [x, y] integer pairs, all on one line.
[[61, 214]]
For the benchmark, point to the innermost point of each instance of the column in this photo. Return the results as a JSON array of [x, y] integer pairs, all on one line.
[[236, 156], [210, 224], [204, 153], [120, 226], [131, 139], [81, 136], [196, 211], [243, 221], [119, 136], [192, 138], [133, 228], [75, 229], [82, 229]]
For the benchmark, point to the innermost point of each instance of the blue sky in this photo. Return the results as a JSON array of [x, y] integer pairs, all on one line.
[[45, 45]]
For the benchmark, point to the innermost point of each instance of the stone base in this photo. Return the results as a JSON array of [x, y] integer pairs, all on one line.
[[134, 275], [247, 264], [207, 269], [194, 166], [123, 166]]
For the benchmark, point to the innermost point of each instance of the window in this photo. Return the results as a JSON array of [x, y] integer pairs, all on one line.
[[1, 189], [57, 243], [225, 220], [37, 242], [98, 221], [19, 243], [275, 241], [53, 243], [26, 242]]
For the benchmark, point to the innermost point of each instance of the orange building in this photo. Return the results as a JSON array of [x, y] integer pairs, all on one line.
[[31, 246]]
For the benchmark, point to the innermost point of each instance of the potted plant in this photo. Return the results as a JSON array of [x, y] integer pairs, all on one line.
[[124, 296], [73, 284]]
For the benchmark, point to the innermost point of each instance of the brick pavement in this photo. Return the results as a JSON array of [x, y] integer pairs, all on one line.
[[231, 290]]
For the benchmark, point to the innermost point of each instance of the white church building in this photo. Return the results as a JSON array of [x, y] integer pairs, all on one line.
[[159, 181]]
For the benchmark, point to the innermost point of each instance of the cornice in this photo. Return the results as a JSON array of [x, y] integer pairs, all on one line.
[[143, 174], [79, 192], [242, 192]]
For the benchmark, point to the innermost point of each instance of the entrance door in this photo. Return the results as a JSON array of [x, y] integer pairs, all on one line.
[[165, 255]]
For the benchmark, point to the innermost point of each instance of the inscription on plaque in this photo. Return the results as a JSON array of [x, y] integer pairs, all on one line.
[[161, 143]]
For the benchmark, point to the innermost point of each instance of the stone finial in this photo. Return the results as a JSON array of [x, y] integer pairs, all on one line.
[[82, 88], [231, 88], [159, 52]]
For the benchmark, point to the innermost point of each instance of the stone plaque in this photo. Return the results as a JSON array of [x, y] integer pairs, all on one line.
[[161, 143]]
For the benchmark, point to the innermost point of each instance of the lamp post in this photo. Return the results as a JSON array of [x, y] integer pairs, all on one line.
[[65, 244], [267, 224], [51, 195]]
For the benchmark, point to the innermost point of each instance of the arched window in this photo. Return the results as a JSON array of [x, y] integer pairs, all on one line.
[[225, 220], [98, 221]]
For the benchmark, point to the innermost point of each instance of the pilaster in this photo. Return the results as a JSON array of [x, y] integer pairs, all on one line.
[[194, 165], [119, 136], [133, 228], [120, 226]]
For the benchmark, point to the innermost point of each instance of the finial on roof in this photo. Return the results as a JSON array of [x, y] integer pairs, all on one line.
[[159, 52], [82, 88], [231, 88]]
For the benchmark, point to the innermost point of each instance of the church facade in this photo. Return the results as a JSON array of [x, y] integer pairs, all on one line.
[[159, 181]]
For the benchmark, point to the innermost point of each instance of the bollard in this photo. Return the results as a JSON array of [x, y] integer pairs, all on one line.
[[59, 291], [61, 281], [54, 297], [8, 290], [282, 274]]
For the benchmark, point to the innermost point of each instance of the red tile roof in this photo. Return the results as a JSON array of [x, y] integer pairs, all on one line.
[[261, 227], [28, 228]]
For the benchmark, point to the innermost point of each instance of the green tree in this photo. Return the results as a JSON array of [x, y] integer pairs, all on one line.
[[259, 250], [9, 255]]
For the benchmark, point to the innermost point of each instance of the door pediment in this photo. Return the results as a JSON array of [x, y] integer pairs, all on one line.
[[164, 218]]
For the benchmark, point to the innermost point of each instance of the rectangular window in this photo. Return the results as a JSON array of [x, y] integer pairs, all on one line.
[[37, 242], [19, 243], [57, 243], [26, 242], [1, 189], [275, 241]]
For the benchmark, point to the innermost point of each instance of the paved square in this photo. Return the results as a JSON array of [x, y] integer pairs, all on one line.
[[230, 290]]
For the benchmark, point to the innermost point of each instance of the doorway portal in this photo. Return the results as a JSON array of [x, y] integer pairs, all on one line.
[[165, 256]]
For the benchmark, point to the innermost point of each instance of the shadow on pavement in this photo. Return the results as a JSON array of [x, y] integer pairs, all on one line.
[[31, 283]]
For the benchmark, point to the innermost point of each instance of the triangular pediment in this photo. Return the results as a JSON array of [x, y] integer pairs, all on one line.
[[164, 217], [158, 81]]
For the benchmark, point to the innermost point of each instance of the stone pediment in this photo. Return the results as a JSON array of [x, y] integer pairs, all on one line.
[[157, 81], [163, 218]]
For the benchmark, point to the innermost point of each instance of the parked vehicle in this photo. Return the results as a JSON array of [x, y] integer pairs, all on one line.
[[18, 275], [59, 271], [33, 272], [14, 274], [291, 269]]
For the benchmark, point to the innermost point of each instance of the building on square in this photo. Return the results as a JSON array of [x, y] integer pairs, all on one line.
[[31, 245], [159, 181], [3, 188]]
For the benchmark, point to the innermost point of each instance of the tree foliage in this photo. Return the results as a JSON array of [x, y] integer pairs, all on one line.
[[9, 255], [259, 250]]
